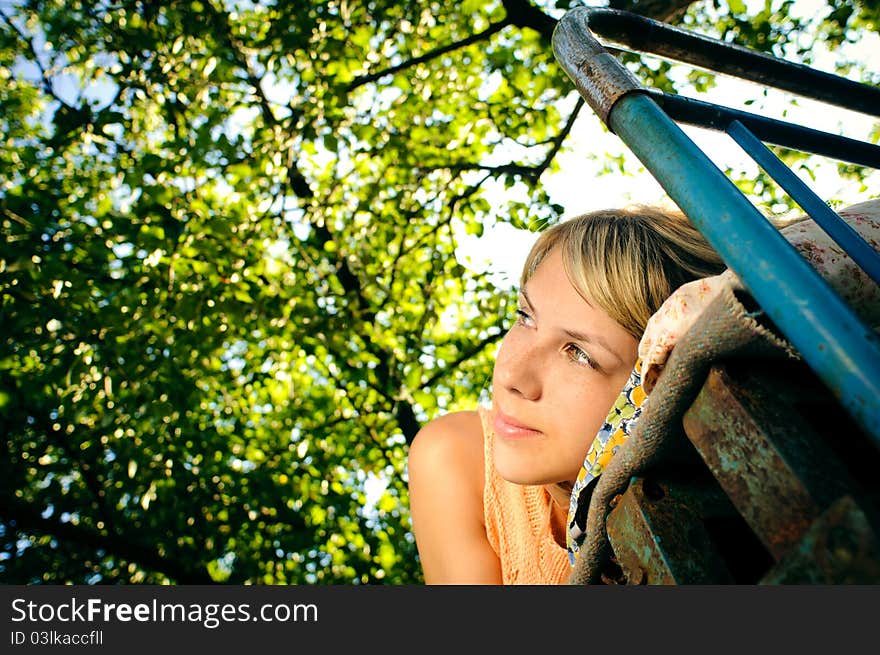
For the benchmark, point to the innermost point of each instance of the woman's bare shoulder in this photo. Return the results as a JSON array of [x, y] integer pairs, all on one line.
[[454, 437], [446, 500]]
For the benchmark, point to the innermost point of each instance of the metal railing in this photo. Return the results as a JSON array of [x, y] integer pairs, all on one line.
[[842, 350]]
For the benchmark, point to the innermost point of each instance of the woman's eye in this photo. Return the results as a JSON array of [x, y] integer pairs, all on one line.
[[580, 356], [522, 318]]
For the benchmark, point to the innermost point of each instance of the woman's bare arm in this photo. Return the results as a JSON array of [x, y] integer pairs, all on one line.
[[446, 501]]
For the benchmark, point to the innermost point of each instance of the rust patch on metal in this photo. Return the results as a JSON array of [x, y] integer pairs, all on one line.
[[774, 467], [840, 547], [600, 79], [658, 536]]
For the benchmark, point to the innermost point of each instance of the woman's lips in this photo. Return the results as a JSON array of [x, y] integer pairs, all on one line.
[[509, 428]]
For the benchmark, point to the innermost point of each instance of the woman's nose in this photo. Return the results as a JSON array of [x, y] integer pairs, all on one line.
[[520, 372]]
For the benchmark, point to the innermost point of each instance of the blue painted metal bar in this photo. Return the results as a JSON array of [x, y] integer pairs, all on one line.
[[845, 236], [840, 348], [770, 130]]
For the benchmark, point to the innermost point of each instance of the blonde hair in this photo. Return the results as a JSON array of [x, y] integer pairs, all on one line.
[[628, 261]]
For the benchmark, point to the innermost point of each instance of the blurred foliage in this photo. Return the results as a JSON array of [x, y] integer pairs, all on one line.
[[229, 287]]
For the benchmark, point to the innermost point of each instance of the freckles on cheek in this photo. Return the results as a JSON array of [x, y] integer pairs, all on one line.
[[586, 407], [570, 396], [502, 355]]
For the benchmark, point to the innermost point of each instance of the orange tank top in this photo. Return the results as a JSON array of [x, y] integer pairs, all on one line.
[[518, 524]]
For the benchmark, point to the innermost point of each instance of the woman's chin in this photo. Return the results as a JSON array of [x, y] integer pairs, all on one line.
[[523, 472]]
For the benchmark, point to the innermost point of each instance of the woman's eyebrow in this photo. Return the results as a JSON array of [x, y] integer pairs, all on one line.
[[574, 334], [593, 339]]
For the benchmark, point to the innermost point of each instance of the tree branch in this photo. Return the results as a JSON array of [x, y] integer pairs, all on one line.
[[463, 356], [45, 79], [523, 13], [531, 173], [557, 142], [28, 518], [668, 11], [433, 54], [296, 180]]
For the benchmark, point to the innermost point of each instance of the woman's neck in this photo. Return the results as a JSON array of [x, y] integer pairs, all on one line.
[[560, 495]]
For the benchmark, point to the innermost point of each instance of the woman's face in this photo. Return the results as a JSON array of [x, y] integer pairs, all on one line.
[[557, 373]]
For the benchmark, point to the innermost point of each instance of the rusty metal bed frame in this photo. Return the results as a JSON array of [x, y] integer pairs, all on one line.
[[750, 543]]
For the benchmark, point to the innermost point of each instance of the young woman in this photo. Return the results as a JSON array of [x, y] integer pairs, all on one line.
[[490, 488]]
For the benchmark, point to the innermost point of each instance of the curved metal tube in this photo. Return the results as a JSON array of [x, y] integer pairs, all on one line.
[[574, 42]]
